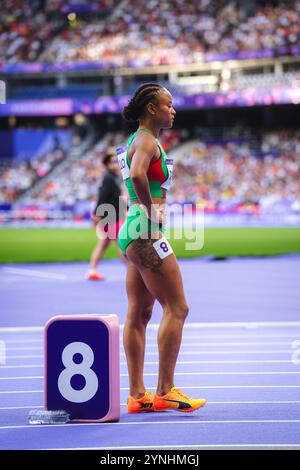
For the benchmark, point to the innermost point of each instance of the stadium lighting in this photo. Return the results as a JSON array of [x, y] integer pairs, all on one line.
[[79, 119], [226, 74], [72, 16], [61, 122], [12, 121]]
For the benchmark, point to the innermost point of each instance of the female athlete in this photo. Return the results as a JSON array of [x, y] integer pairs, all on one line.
[[153, 271]]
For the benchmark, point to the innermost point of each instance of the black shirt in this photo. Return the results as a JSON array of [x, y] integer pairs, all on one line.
[[109, 193]]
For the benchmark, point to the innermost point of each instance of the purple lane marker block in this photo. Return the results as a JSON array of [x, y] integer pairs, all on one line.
[[82, 367]]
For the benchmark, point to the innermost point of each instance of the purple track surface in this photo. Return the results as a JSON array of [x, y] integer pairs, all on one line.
[[240, 351]]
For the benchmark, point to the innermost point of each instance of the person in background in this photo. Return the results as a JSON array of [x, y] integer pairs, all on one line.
[[108, 226]]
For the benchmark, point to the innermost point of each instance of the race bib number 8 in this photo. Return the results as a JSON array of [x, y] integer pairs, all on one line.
[[162, 247]]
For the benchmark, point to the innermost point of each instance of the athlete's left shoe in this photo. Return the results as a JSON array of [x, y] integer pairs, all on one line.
[[178, 401], [145, 403], [94, 276]]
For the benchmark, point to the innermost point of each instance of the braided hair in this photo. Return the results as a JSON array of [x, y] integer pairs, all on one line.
[[142, 96]]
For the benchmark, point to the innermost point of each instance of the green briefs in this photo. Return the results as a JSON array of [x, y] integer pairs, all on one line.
[[137, 225]]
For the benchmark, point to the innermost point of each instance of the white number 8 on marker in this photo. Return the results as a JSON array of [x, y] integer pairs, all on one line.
[[84, 369]]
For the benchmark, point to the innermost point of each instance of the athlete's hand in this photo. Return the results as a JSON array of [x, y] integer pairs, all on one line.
[[157, 215], [95, 219]]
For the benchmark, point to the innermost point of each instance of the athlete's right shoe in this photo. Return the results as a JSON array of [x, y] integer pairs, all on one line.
[[178, 401], [138, 405]]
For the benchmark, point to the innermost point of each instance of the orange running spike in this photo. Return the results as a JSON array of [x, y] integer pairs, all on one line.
[[178, 401], [141, 404]]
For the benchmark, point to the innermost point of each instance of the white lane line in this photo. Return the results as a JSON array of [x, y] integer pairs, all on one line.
[[182, 353], [191, 446], [23, 378], [207, 353], [203, 335], [155, 423], [187, 337], [20, 391], [23, 366], [224, 373], [187, 326], [31, 407], [253, 402], [22, 356], [22, 329], [184, 344], [215, 387], [26, 348], [247, 325], [191, 373], [21, 341], [269, 402], [259, 361], [34, 273], [196, 387]]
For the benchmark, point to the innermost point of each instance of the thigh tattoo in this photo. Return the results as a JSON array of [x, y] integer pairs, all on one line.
[[148, 255]]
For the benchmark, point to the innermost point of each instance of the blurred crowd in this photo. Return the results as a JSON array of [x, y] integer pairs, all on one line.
[[81, 178], [145, 32], [177, 32], [18, 177], [240, 170], [27, 27], [234, 170]]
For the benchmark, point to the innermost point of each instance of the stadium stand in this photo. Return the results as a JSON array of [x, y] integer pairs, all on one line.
[[255, 166], [230, 171], [219, 171], [19, 174], [145, 33]]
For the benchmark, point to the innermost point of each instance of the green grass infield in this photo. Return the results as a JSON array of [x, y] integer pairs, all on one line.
[[34, 245]]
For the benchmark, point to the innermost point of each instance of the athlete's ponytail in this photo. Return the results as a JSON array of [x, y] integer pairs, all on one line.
[[142, 96]]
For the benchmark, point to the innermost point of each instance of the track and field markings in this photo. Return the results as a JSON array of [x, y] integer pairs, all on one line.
[[189, 387], [156, 423], [35, 273]]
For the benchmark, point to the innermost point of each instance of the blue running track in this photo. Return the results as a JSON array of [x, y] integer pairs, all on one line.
[[240, 352]]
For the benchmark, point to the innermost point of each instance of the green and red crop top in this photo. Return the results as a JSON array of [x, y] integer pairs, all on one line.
[[159, 173]]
